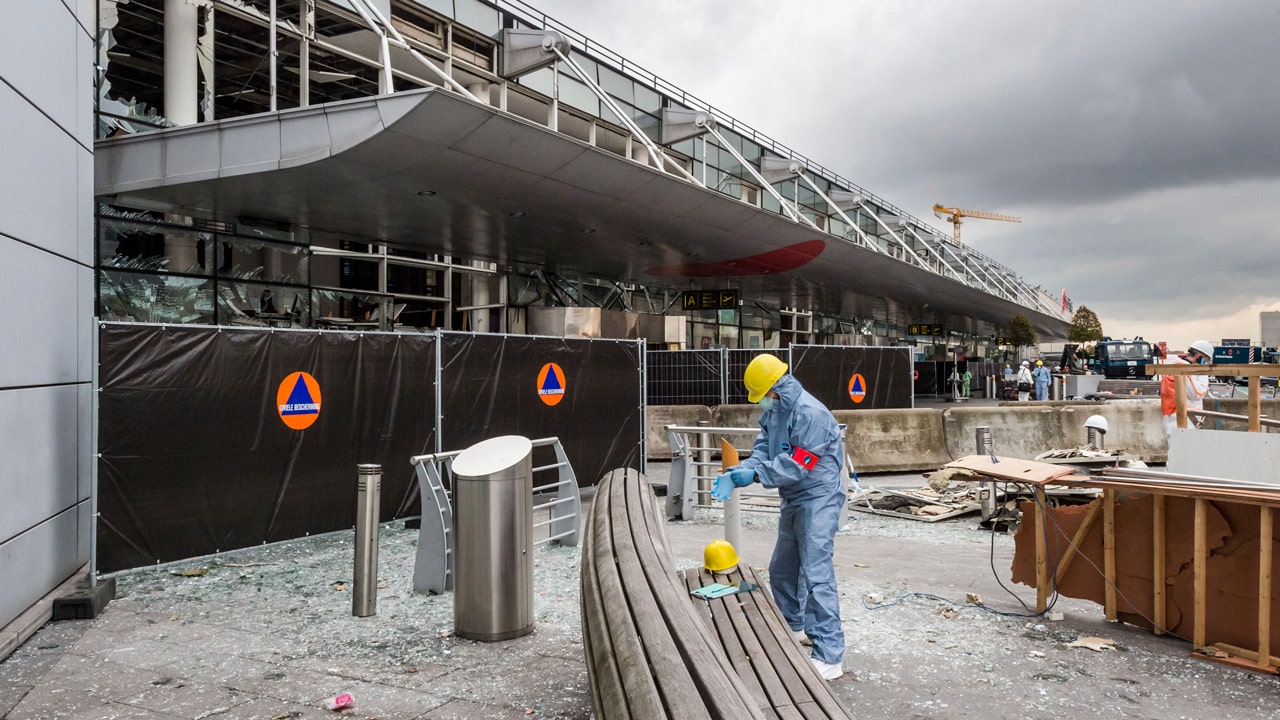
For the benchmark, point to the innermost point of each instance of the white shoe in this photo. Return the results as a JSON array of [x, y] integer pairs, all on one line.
[[800, 637], [827, 670]]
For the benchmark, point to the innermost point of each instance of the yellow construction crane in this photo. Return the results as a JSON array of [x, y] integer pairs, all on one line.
[[957, 213]]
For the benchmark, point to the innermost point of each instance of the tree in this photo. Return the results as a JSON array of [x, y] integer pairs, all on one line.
[[1085, 326], [1019, 331]]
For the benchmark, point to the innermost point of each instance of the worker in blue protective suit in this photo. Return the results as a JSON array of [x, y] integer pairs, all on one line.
[[1042, 376], [799, 452]]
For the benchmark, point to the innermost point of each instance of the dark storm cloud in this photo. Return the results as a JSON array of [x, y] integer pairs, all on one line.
[[1139, 141]]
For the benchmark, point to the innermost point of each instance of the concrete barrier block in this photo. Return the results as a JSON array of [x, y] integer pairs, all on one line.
[[1239, 406], [894, 440], [746, 416], [1020, 432], [660, 416], [1134, 426]]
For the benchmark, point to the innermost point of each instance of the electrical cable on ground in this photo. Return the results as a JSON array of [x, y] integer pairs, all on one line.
[[1053, 571]]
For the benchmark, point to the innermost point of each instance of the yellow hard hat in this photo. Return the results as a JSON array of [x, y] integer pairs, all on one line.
[[762, 372], [1039, 362], [719, 556]]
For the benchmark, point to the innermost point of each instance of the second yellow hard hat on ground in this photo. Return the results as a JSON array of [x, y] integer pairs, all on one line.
[[719, 556], [762, 372]]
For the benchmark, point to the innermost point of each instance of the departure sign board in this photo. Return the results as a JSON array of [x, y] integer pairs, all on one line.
[[708, 299], [925, 330]]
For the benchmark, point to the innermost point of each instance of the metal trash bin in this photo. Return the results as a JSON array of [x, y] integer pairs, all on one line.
[[493, 539]]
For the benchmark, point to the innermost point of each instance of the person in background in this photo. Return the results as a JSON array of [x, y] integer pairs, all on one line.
[[966, 378], [1200, 353], [1042, 376], [798, 451], [1025, 382]]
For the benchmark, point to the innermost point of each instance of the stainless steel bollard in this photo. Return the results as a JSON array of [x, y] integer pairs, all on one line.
[[1096, 438], [982, 438], [364, 588], [703, 469], [987, 494], [493, 540]]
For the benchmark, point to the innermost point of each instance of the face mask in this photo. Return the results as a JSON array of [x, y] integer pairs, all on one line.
[[766, 403]]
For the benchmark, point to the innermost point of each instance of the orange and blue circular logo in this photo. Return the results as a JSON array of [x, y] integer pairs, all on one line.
[[298, 400], [551, 384], [857, 388]]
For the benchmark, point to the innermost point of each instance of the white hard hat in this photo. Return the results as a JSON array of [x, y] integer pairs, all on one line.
[[1097, 422], [1024, 362], [1203, 347]]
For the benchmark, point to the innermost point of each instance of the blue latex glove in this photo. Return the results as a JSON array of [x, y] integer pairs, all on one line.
[[741, 476], [722, 488]]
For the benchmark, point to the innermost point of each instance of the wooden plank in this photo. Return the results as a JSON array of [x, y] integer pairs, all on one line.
[[1200, 561], [715, 613], [1012, 469], [1109, 553], [1239, 662], [1042, 553], [784, 653], [1255, 404], [642, 699], [1265, 534], [1070, 553], [1234, 370], [1157, 564], [1246, 654], [705, 684], [597, 643], [1180, 402]]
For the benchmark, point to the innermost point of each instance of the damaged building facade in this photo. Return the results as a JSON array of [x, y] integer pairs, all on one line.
[[407, 165]]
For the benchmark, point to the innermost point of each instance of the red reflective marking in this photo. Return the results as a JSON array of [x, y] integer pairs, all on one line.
[[767, 263]]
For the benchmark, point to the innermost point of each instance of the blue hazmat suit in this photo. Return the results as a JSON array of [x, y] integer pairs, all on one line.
[[801, 572], [1042, 376]]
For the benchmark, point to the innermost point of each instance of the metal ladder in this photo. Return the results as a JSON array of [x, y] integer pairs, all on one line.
[[433, 566]]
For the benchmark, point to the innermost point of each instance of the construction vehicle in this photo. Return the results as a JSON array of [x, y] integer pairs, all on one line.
[[956, 213], [1122, 358]]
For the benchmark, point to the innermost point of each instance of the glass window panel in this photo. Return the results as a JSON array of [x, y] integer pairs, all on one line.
[[444, 7], [768, 202], [542, 81], [477, 16], [413, 280], [585, 63], [330, 304], [246, 259], [617, 85], [647, 100], [575, 94], [685, 147], [262, 305], [750, 150], [146, 297], [138, 245]]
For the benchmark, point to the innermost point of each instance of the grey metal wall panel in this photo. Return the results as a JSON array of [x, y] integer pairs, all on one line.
[[43, 479], [84, 441], [40, 292], [38, 56], [37, 561], [38, 202]]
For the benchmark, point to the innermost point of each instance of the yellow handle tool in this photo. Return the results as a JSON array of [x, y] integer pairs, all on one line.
[[728, 455]]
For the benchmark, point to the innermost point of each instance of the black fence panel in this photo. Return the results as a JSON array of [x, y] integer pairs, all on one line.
[[586, 392], [684, 377], [854, 378], [736, 364], [211, 440]]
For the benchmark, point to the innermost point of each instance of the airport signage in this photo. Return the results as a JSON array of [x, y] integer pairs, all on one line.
[[708, 299], [925, 330]]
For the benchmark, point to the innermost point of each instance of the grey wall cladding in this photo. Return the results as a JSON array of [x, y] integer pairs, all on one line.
[[46, 284]]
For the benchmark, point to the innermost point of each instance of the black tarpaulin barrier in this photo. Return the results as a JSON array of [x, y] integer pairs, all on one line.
[[925, 376], [585, 392], [684, 377], [836, 375], [197, 458]]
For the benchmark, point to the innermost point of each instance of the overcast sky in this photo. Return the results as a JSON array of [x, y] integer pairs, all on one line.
[[1138, 141]]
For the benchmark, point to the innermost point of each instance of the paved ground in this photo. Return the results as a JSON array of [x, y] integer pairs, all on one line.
[[267, 633]]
